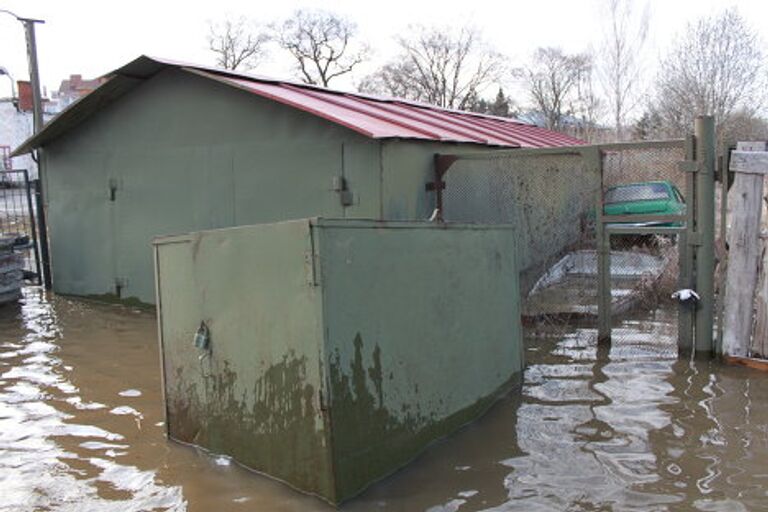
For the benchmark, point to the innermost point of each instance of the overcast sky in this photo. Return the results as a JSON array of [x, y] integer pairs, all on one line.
[[94, 37]]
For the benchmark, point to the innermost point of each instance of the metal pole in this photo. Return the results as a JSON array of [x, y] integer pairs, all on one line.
[[705, 232], [594, 160], [685, 314]]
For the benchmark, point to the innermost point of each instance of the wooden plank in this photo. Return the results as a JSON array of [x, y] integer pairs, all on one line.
[[743, 261], [749, 162], [749, 362]]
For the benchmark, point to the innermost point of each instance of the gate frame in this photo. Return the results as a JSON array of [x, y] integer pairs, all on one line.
[[33, 218]]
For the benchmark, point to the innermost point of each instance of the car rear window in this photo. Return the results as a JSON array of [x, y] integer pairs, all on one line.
[[639, 192]]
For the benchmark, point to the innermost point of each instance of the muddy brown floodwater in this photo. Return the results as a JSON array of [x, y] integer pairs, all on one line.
[[630, 427]]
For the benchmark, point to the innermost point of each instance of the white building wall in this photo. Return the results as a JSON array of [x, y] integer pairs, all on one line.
[[15, 128]]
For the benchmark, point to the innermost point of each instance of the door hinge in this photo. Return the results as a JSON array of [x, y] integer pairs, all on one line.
[[113, 186]]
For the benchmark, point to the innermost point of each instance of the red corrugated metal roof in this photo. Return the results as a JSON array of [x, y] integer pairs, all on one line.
[[382, 118], [373, 116]]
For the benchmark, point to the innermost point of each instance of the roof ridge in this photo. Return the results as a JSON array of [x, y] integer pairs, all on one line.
[[294, 83]]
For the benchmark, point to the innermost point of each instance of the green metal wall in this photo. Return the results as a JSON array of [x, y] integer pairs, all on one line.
[[367, 339], [423, 331], [186, 154]]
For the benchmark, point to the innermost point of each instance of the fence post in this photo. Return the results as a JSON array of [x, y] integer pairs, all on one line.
[[705, 232], [594, 160], [744, 246], [685, 315]]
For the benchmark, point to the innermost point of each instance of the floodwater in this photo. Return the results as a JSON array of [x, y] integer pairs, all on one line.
[[628, 427]]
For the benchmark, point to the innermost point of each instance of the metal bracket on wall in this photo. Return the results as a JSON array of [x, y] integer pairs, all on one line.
[[441, 163], [689, 166], [345, 195]]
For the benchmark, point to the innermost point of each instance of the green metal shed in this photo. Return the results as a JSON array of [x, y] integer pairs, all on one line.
[[165, 147], [335, 350]]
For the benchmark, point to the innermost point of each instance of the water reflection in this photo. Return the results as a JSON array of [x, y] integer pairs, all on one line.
[[51, 456], [596, 427]]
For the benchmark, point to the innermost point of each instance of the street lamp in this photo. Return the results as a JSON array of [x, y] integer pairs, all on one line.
[[5, 72], [34, 74]]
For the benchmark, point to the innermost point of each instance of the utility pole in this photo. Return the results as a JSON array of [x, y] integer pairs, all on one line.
[[34, 73], [37, 123]]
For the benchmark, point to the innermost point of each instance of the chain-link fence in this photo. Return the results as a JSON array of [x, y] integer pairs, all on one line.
[[550, 196], [554, 197], [644, 205]]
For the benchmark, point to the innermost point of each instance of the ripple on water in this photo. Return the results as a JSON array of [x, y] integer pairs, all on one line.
[[625, 427], [44, 441]]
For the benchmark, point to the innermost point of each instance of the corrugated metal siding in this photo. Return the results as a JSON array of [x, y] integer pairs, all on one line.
[[382, 118]]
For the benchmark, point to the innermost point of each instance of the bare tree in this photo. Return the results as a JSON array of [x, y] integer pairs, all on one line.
[[237, 43], [586, 105], [716, 67], [553, 80], [322, 45], [444, 67], [619, 59]]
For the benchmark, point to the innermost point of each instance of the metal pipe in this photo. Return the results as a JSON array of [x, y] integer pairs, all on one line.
[[705, 232]]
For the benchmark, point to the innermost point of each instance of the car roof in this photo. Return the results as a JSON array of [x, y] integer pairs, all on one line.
[[635, 184]]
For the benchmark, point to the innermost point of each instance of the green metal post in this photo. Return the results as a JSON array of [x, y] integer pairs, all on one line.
[[594, 160], [685, 312], [705, 232]]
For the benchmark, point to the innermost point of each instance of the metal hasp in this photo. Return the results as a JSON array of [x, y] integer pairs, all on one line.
[[704, 232], [342, 347]]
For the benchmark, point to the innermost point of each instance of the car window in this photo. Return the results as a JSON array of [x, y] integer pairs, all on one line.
[[678, 195], [638, 192]]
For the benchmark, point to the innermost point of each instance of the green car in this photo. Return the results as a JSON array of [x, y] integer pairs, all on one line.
[[644, 198]]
